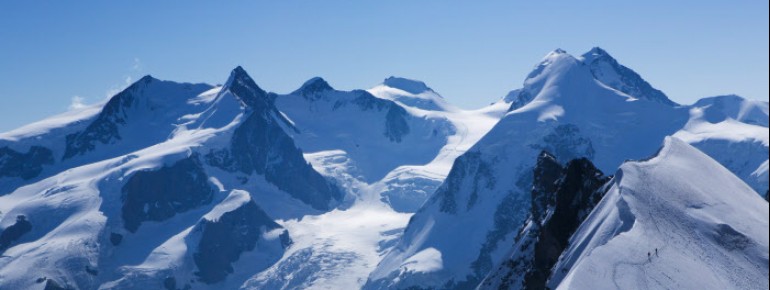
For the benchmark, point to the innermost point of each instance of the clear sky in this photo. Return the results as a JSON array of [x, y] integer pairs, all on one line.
[[55, 53]]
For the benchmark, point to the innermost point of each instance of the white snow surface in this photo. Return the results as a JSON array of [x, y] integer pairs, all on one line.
[[703, 228], [472, 218], [75, 203], [411, 93], [734, 132]]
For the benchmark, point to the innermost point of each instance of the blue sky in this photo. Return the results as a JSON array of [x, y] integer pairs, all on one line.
[[472, 52]]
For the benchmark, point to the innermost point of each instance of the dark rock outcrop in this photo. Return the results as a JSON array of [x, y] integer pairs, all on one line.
[[24, 165], [52, 285], [579, 190], [224, 240], [465, 166], [158, 195], [261, 145], [625, 80], [132, 106], [14, 232], [116, 239], [562, 197], [396, 126], [313, 88], [544, 185], [104, 129]]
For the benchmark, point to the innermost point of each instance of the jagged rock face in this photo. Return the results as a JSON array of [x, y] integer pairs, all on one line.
[[519, 98], [607, 70], [160, 194], [313, 88], [395, 119], [52, 285], [14, 232], [579, 191], [283, 165], [260, 145], [105, 128], [149, 105], [244, 87], [224, 240], [544, 185], [567, 142], [562, 197], [24, 165], [469, 164], [395, 123]]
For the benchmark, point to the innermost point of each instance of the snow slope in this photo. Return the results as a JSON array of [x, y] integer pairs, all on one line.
[[171, 185], [377, 134], [734, 132], [411, 93], [484, 198], [564, 108], [407, 187], [709, 228], [196, 209], [144, 114]]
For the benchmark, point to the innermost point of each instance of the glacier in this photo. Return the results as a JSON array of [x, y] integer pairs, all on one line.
[[172, 185]]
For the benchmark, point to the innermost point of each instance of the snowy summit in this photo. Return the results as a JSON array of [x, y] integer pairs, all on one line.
[[584, 177]]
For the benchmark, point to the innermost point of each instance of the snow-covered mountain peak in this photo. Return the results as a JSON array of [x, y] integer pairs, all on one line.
[[313, 86], [557, 51], [555, 63], [678, 220], [610, 72], [407, 85], [245, 89], [719, 108], [595, 53], [559, 75], [411, 93]]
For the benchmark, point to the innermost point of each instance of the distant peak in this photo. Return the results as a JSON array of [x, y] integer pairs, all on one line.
[[597, 50], [546, 156], [244, 87], [595, 54], [727, 97], [313, 85], [239, 76], [147, 79], [554, 55], [142, 82], [407, 85], [239, 73], [609, 71], [559, 56]]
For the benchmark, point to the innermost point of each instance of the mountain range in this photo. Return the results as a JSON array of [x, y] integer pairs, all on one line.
[[585, 177]]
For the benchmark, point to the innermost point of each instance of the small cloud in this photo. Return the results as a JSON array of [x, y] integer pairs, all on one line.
[[77, 102], [137, 65]]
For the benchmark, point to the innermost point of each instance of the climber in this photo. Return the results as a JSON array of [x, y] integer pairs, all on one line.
[[649, 257], [656, 252]]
